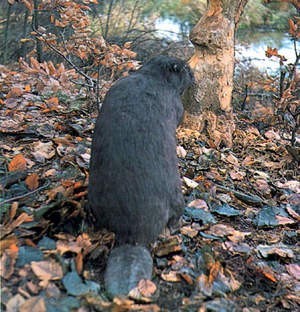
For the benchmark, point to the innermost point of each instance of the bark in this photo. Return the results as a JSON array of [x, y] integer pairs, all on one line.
[[6, 33], [208, 102], [39, 47]]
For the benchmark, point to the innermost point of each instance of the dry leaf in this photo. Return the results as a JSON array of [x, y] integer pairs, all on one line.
[[18, 163], [181, 152], [147, 288], [190, 183], [65, 246], [284, 220], [8, 261], [32, 181], [237, 175], [199, 203], [169, 246], [14, 303], [14, 92], [294, 270], [293, 213], [231, 159], [188, 231], [43, 151], [34, 304], [171, 276], [47, 270], [187, 278]]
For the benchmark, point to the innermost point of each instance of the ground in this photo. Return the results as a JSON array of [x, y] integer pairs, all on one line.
[[237, 246]]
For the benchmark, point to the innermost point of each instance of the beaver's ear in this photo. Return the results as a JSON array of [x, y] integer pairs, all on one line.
[[174, 65]]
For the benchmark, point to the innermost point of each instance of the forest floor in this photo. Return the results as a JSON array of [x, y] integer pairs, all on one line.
[[237, 248]]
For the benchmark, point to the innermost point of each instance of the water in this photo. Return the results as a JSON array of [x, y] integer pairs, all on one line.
[[250, 47]]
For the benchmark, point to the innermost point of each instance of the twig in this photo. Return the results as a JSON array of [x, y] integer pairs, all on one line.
[[24, 195], [92, 81]]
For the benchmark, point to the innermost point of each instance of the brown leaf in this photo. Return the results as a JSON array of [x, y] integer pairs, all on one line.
[[7, 242], [27, 88], [231, 159], [293, 213], [79, 262], [294, 270], [43, 151], [268, 273], [8, 228], [214, 271], [52, 103], [14, 92], [171, 276], [204, 285], [18, 163], [65, 246], [14, 303], [34, 304], [32, 181], [227, 230], [284, 220], [237, 175], [292, 27], [169, 246], [187, 278], [47, 270], [147, 288], [35, 64], [199, 203], [8, 261], [188, 231]]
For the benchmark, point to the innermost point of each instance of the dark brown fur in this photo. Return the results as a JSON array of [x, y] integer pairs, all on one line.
[[134, 186]]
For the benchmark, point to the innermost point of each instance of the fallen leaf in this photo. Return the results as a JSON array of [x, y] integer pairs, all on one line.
[[187, 278], [292, 185], [43, 151], [18, 163], [47, 270], [32, 181], [294, 270], [50, 173], [237, 175], [231, 159], [293, 213], [214, 271], [188, 231], [272, 135], [8, 260], [173, 244], [181, 152], [199, 204], [14, 92], [190, 183], [263, 186], [34, 304], [147, 288], [280, 250], [14, 303], [284, 220], [171, 276]]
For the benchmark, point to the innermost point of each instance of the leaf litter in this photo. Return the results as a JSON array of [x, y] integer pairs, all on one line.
[[237, 246]]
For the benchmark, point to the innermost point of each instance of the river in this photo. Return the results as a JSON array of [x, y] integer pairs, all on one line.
[[250, 46]]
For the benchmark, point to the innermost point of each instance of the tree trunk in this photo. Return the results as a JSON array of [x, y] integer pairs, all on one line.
[[6, 33], [39, 47], [208, 102]]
